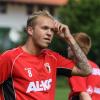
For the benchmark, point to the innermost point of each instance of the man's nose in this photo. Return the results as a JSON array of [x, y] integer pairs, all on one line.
[[49, 32]]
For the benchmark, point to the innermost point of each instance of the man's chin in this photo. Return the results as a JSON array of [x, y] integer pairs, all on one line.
[[44, 47]]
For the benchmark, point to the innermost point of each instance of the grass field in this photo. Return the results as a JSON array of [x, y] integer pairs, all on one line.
[[62, 88]]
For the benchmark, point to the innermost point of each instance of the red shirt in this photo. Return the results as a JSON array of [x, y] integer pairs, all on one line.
[[90, 84], [30, 77]]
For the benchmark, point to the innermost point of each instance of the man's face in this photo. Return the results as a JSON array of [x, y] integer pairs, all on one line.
[[43, 32]]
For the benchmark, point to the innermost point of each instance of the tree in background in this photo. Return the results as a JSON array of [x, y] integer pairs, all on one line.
[[84, 16]]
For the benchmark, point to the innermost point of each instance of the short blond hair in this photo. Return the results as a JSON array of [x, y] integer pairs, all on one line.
[[84, 41], [32, 19]]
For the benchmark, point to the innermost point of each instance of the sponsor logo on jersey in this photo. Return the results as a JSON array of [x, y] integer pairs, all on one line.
[[97, 90], [92, 90], [42, 85], [96, 71]]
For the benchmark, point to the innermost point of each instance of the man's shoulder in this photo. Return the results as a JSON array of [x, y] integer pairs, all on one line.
[[12, 52], [51, 52]]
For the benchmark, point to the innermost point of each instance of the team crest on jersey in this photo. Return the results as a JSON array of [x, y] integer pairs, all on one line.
[[29, 71], [47, 66]]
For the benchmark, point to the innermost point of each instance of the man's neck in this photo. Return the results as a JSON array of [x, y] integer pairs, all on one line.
[[31, 49]]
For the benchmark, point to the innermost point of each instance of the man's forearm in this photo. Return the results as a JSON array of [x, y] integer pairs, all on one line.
[[81, 59], [64, 33]]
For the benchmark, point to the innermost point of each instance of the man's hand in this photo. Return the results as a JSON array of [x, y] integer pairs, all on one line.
[[61, 30]]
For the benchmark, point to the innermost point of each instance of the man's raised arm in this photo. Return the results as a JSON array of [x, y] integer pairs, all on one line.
[[83, 67]]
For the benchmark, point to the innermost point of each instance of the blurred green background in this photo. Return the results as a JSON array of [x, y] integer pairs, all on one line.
[[62, 89]]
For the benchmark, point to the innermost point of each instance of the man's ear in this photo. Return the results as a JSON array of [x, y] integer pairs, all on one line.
[[30, 30]]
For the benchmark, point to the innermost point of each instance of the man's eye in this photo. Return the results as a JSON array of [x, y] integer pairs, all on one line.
[[53, 30], [45, 27]]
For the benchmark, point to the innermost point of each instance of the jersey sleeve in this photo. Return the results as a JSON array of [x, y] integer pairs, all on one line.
[[5, 67], [63, 62], [77, 84], [64, 66]]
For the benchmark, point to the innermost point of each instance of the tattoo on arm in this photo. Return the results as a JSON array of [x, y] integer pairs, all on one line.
[[81, 59]]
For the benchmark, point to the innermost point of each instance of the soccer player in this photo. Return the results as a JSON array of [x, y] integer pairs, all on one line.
[[84, 88], [28, 72]]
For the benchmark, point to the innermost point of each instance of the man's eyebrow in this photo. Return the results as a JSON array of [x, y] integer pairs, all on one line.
[[52, 28]]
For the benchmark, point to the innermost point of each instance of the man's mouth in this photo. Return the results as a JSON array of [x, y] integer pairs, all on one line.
[[48, 39]]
